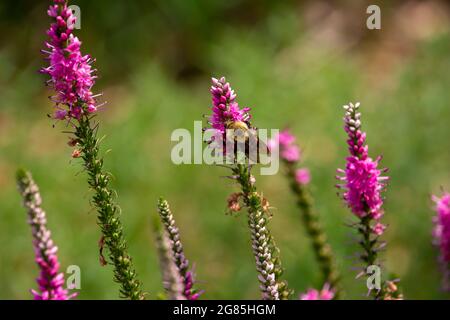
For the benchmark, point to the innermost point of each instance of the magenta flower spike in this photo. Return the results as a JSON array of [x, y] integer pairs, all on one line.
[[71, 73], [362, 183], [442, 235], [362, 179], [72, 78], [51, 280], [225, 109]]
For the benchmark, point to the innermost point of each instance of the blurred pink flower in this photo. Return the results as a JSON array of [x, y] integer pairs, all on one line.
[[378, 228], [285, 138], [289, 150], [302, 176], [312, 294], [290, 153], [442, 234]]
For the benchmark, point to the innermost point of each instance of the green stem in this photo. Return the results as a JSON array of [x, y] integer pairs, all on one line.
[[370, 255], [266, 253], [108, 211], [311, 221]]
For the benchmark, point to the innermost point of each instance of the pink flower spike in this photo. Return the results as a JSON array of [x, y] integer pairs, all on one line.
[[71, 74], [362, 183], [50, 281], [362, 179], [225, 109]]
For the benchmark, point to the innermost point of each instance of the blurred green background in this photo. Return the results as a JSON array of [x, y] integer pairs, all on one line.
[[295, 63]]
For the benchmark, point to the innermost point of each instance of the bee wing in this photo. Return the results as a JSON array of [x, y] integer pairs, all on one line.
[[261, 147]]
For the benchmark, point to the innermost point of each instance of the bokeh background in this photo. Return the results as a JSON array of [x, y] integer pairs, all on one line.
[[295, 63]]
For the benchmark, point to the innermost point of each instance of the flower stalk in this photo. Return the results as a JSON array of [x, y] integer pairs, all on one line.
[[107, 210], [311, 221], [298, 181], [172, 281], [72, 78], [178, 256], [51, 280], [233, 128], [363, 183], [265, 251]]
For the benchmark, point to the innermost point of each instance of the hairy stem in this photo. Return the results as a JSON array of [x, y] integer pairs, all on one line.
[[370, 255], [108, 211]]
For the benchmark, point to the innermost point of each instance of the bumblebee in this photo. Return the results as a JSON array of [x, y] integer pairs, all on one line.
[[244, 135]]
